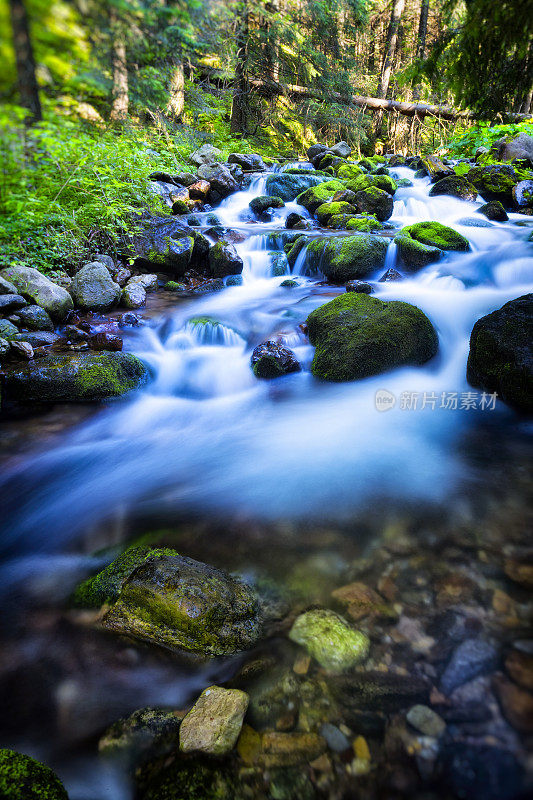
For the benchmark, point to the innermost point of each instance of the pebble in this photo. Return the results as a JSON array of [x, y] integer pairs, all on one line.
[[519, 665], [335, 739], [425, 720], [472, 658], [4, 347], [23, 349], [214, 723], [516, 704]]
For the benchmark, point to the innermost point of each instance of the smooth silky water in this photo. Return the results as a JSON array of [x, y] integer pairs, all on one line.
[[206, 440]]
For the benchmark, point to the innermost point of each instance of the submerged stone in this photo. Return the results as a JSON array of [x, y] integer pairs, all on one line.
[[145, 734], [23, 778], [214, 723], [330, 640], [356, 336]]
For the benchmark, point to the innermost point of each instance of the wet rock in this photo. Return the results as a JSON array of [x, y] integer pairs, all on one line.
[[4, 347], [290, 749], [288, 783], [148, 282], [356, 336], [133, 295], [359, 286], [122, 275], [434, 234], [454, 186], [183, 778], [436, 169], [128, 320], [23, 778], [494, 211], [184, 605], [341, 149], [11, 302], [289, 284], [404, 183], [234, 280], [251, 162], [35, 318], [271, 360], [375, 201], [6, 287], [288, 186], [471, 658], [501, 355], [328, 210], [361, 600], [335, 739], [345, 258], [391, 275], [163, 176], [222, 181], [521, 147], [364, 182], [199, 191], [76, 378], [40, 290], [214, 723], [330, 640], [105, 341], [261, 204], [523, 194], [164, 246], [516, 703], [206, 154], [472, 222], [169, 193], [379, 691], [425, 720], [22, 349], [318, 193], [37, 338], [495, 182], [93, 288], [295, 249], [145, 734], [224, 260], [519, 665], [481, 771], [296, 221]]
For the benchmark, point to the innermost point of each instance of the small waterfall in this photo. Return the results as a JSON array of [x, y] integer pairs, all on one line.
[[204, 331]]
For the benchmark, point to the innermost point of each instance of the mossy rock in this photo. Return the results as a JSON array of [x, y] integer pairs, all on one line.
[[175, 286], [183, 605], [434, 234], [288, 186], [375, 201], [383, 182], [281, 240], [145, 734], [327, 210], [455, 187], [188, 779], [261, 204], [79, 377], [495, 182], [314, 197], [494, 211], [23, 778], [501, 353], [344, 258], [331, 160], [348, 171], [404, 183], [224, 260], [364, 223], [330, 640], [415, 255], [356, 336], [279, 264], [295, 250]]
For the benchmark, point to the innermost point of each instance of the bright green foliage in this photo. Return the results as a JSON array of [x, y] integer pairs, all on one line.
[[23, 777], [484, 135]]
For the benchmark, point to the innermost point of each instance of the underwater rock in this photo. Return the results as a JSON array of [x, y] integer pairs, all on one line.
[[330, 640], [214, 723]]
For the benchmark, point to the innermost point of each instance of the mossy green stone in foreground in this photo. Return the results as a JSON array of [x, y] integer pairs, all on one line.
[[348, 171], [190, 779], [314, 197], [344, 258], [434, 234], [415, 255], [356, 336], [328, 638], [23, 778], [327, 210], [78, 377]]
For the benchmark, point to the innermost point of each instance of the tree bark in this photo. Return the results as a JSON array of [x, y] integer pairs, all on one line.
[[120, 96], [390, 46], [239, 111], [176, 100], [27, 79], [422, 30]]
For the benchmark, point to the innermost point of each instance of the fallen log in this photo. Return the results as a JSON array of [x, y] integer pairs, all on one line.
[[408, 109]]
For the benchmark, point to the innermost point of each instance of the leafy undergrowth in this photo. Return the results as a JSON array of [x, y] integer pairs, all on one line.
[[484, 135], [70, 188]]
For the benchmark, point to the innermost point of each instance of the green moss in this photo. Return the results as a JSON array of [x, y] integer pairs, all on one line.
[[348, 171], [191, 779], [23, 778], [260, 204], [174, 286], [364, 223], [345, 258], [330, 640], [295, 250], [314, 197], [331, 160], [415, 255], [180, 207], [375, 201], [327, 210], [435, 234], [495, 182], [356, 336], [383, 182]]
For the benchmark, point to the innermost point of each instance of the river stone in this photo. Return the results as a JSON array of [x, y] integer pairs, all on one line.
[[38, 338], [415, 255], [345, 258], [501, 353], [455, 186], [434, 234], [251, 162], [23, 778], [359, 286], [34, 286], [328, 210], [375, 201], [288, 186], [206, 154], [341, 149], [356, 336], [523, 194], [480, 771], [261, 204], [335, 738], [76, 378], [145, 734], [6, 287], [280, 749], [11, 302], [319, 193], [35, 318], [4, 347], [7, 329], [94, 289], [214, 723], [224, 260], [222, 181], [328, 638], [379, 691], [133, 295], [164, 246], [470, 659], [495, 182], [521, 147], [22, 348], [148, 282], [184, 605], [425, 720], [494, 211], [271, 360]]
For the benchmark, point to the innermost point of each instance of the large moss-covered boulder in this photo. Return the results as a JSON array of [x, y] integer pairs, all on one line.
[[288, 186], [184, 605], [328, 210], [383, 182], [165, 246], [414, 255], [78, 377], [35, 286], [315, 196], [375, 201], [343, 258], [501, 353], [94, 289], [434, 234], [356, 336], [455, 186], [224, 260], [23, 778], [348, 171], [495, 182]]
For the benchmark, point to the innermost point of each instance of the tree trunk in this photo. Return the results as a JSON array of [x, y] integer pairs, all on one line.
[[120, 98], [388, 60], [27, 79], [422, 30], [239, 111], [176, 99]]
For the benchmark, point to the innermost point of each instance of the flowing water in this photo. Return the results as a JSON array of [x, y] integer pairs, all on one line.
[[207, 440]]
